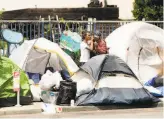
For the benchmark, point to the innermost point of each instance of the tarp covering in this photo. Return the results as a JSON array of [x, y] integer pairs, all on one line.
[[7, 95], [123, 88]]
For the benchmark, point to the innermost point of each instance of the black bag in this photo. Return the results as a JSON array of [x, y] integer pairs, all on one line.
[[67, 92]]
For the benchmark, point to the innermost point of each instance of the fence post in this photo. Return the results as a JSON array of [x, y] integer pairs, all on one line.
[[60, 32], [89, 24], [42, 27], [94, 22], [27, 31], [49, 18]]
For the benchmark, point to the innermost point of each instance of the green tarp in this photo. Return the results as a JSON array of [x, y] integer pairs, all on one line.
[[7, 95]]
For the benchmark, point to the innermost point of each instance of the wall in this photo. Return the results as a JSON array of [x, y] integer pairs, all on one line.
[[125, 8]]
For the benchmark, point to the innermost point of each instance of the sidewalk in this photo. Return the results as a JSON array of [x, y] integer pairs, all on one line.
[[36, 108]]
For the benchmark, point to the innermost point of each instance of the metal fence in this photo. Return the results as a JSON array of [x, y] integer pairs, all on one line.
[[52, 29]]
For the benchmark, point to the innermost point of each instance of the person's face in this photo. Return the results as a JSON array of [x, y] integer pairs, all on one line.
[[96, 39], [88, 36]]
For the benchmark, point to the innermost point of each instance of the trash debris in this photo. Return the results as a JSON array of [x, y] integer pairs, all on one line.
[[49, 97], [48, 108]]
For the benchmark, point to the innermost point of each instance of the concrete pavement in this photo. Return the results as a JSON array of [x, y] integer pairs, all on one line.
[[116, 113], [37, 108]]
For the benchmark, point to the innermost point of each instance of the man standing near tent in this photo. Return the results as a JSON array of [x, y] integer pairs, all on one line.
[[100, 46], [86, 47]]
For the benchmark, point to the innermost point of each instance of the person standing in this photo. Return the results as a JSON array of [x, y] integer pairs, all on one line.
[[86, 47], [100, 46]]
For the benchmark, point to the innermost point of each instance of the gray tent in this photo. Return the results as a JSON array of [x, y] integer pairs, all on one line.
[[115, 83], [36, 55]]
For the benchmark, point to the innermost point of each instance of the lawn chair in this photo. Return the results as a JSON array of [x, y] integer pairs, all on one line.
[[13, 39]]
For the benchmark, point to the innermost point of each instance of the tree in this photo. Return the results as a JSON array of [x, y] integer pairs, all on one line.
[[148, 9], [1, 12]]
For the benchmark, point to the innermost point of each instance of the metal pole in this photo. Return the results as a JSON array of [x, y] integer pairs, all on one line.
[[18, 99], [42, 27], [16, 85]]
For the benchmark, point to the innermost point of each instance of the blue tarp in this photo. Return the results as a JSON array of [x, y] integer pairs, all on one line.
[[155, 91]]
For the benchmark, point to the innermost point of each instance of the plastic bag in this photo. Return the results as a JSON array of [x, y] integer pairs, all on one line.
[[49, 80]]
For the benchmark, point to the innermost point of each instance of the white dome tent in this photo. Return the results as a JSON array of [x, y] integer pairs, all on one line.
[[140, 45], [33, 53]]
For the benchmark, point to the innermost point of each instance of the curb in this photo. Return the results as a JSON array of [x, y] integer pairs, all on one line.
[[26, 109], [111, 107], [35, 109]]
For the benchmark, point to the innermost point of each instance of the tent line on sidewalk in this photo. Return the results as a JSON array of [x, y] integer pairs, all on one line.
[[117, 77]]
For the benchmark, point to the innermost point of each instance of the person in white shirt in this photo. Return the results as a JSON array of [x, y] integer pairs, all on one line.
[[85, 47]]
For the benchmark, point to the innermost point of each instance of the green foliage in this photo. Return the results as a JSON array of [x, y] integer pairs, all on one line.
[[1, 12], [61, 20], [3, 44], [148, 9], [77, 57], [74, 55], [47, 30]]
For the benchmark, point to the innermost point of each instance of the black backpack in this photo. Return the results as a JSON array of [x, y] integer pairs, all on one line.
[[67, 92]]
